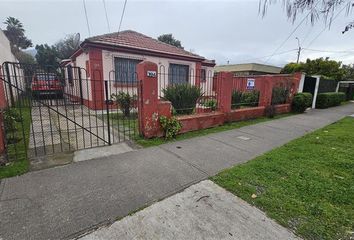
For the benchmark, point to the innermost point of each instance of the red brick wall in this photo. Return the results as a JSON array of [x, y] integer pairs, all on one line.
[[150, 108], [244, 114], [201, 121]]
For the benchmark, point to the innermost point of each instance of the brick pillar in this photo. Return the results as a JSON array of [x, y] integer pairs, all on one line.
[[224, 91], [198, 73], [149, 125], [265, 93], [96, 77]]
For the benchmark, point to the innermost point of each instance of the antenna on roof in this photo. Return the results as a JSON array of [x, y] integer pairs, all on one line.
[[77, 39]]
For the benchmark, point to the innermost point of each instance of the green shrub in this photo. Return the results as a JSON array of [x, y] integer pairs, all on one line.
[[279, 95], [329, 99], [183, 97], [210, 103], [301, 101], [171, 126], [11, 117], [236, 99], [308, 98], [249, 98], [124, 101]]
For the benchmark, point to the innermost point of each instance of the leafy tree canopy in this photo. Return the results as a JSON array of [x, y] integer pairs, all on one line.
[[315, 9], [16, 34], [169, 39], [47, 55], [67, 46], [320, 66]]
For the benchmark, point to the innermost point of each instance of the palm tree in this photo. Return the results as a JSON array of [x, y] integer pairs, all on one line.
[[16, 34]]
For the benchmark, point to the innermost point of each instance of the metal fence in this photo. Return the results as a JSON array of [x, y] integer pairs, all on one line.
[[49, 110], [190, 91]]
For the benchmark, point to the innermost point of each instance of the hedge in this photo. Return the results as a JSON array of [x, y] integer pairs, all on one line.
[[308, 98], [249, 99], [301, 101], [329, 99]]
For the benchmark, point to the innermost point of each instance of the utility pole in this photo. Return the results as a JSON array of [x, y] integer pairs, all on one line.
[[299, 51]]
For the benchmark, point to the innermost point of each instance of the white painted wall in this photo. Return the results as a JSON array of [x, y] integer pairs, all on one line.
[[162, 63], [5, 49], [7, 56], [163, 66]]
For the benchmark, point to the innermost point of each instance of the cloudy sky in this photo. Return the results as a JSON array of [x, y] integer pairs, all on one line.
[[222, 30]]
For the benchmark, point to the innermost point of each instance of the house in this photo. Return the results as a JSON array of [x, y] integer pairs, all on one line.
[[248, 69], [113, 58], [10, 86]]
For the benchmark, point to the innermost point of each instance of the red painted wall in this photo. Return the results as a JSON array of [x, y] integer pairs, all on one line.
[[151, 108], [96, 79]]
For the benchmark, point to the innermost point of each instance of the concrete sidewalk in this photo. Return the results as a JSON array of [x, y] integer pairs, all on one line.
[[62, 202]]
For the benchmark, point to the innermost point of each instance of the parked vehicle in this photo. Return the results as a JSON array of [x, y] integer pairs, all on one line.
[[47, 84]]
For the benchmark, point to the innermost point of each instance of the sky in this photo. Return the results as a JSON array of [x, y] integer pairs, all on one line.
[[227, 31]]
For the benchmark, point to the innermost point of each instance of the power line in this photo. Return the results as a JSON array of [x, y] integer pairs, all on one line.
[[105, 10], [87, 21], [294, 30], [258, 58], [121, 18], [328, 51]]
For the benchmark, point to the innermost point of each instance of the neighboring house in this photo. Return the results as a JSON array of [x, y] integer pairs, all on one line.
[[114, 57], [248, 69], [5, 49]]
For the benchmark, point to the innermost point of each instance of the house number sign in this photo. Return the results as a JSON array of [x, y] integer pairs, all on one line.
[[151, 73]]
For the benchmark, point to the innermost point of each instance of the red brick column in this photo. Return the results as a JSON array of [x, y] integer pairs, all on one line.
[[148, 99], [224, 91], [265, 93], [198, 73], [96, 78]]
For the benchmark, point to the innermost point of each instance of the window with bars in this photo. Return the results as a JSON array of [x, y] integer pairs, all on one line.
[[125, 70], [178, 74]]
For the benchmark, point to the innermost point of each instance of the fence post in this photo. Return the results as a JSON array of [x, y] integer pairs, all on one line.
[[148, 99], [224, 91], [265, 93]]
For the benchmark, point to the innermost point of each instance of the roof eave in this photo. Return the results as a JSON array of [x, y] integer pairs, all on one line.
[[115, 47]]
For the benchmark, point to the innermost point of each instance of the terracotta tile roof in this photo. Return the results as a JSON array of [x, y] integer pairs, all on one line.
[[135, 40]]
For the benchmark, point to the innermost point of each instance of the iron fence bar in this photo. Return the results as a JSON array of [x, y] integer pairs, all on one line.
[[21, 112], [12, 101], [107, 109], [58, 112]]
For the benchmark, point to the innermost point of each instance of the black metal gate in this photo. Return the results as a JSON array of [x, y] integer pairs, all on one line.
[[309, 85], [47, 110]]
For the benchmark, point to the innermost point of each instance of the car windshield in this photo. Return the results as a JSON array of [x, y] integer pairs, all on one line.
[[48, 77]]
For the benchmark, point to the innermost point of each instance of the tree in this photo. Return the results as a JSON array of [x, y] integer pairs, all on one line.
[[16, 34], [67, 46], [315, 9], [320, 66], [47, 55], [349, 72], [169, 39]]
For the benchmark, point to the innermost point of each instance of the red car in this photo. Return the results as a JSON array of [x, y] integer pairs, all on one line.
[[46, 84]]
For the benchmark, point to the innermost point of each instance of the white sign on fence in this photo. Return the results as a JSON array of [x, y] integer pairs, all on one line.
[[250, 83]]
